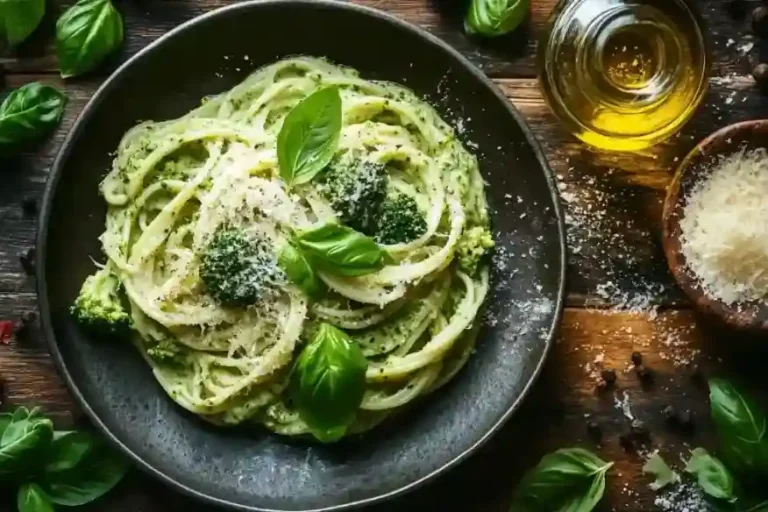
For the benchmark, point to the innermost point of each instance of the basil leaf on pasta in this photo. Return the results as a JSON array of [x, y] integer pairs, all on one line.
[[342, 250], [328, 383], [299, 271], [309, 136]]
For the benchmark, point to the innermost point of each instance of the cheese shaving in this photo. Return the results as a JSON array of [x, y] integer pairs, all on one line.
[[725, 228]]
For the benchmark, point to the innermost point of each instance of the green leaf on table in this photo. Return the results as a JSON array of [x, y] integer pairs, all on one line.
[[5, 420], [660, 470], [309, 136], [341, 250], [86, 34], [93, 476], [31, 498], [495, 17], [19, 18], [29, 113], [298, 269], [328, 382], [712, 475], [568, 480], [23, 443], [67, 450], [741, 428]]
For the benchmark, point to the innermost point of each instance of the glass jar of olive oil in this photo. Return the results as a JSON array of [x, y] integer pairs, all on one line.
[[624, 74]]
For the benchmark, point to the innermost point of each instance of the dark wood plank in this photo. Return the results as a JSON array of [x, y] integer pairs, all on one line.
[[513, 55]]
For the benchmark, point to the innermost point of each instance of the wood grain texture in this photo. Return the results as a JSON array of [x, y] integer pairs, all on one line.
[[511, 55]]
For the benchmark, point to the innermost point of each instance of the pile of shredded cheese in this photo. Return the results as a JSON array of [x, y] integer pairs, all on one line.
[[725, 228]]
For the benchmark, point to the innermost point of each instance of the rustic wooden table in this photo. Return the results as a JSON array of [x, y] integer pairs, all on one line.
[[621, 297]]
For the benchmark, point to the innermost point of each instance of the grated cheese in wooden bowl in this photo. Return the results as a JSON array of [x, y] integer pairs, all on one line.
[[724, 231]]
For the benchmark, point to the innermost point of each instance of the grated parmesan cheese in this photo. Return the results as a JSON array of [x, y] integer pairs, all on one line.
[[725, 228]]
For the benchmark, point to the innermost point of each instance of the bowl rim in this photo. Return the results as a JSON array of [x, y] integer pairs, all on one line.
[[79, 126], [748, 316]]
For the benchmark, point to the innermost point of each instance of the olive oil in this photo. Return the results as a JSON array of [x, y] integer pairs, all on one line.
[[624, 74]]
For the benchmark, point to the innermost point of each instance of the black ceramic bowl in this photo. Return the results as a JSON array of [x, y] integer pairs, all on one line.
[[250, 469]]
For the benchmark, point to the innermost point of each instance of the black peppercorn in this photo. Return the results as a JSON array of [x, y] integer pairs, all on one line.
[[609, 376], [626, 442], [760, 74], [639, 431], [637, 358], [23, 327], [644, 374], [670, 414], [760, 21], [594, 431], [686, 421], [29, 206], [27, 260]]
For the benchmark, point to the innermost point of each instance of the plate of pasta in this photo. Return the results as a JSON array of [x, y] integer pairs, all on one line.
[[270, 267]]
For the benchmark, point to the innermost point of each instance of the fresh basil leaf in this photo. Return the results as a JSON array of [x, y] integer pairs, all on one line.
[[495, 17], [663, 474], [93, 476], [309, 136], [29, 113], [21, 413], [86, 34], [328, 382], [712, 475], [31, 498], [22, 445], [568, 480], [19, 18], [67, 450], [741, 427], [342, 250], [5, 419], [299, 271]]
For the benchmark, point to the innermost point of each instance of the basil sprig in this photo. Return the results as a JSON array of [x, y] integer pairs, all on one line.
[[735, 482], [27, 114], [342, 250], [741, 428], [712, 475], [309, 136], [571, 479], [86, 34], [19, 18], [495, 17], [31, 498], [328, 382], [54, 467]]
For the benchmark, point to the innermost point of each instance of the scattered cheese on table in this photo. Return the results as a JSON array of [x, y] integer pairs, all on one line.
[[725, 228]]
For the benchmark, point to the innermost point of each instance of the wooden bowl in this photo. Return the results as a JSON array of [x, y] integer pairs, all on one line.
[[697, 166]]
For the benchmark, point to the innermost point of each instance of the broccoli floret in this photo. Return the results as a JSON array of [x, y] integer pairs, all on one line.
[[399, 220], [475, 242], [355, 188], [99, 307], [237, 269], [166, 351]]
